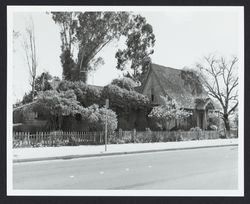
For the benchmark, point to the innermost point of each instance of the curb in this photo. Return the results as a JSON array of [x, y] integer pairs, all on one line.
[[113, 153]]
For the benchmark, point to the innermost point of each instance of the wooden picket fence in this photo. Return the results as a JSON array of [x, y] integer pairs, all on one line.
[[56, 138], [168, 136], [60, 138]]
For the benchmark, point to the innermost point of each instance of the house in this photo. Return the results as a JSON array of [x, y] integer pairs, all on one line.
[[26, 120], [182, 86]]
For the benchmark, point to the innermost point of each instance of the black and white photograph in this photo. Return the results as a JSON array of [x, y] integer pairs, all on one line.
[[125, 100]]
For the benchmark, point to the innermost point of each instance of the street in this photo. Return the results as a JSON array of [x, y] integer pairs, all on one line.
[[193, 169]]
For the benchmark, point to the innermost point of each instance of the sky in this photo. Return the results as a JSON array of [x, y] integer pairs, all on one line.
[[183, 37]]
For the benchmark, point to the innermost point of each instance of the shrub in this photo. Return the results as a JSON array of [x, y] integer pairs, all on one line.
[[197, 132], [96, 117], [72, 141], [123, 98], [222, 134], [167, 113], [213, 120], [125, 83], [86, 95]]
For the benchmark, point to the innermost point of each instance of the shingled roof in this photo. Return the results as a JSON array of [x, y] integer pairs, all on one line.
[[180, 85]]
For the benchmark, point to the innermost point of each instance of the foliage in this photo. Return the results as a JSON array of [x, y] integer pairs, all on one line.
[[68, 65], [123, 98], [21, 114], [90, 32], [42, 82], [56, 105], [125, 83], [213, 120], [29, 45], [197, 131], [140, 40], [220, 78], [96, 117], [168, 112], [68, 23], [95, 31], [119, 97], [192, 80], [27, 98], [236, 119], [86, 95]]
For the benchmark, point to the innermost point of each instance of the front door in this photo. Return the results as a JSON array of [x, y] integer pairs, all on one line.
[[200, 119]]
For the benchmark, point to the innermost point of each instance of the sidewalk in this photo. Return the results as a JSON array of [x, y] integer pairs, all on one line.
[[70, 152]]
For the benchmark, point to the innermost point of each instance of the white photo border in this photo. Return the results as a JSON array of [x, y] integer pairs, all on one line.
[[218, 193]]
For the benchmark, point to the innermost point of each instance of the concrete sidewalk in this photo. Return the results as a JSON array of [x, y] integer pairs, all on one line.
[[70, 152]]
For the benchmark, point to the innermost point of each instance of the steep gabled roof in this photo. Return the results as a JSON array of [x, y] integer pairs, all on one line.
[[182, 86]]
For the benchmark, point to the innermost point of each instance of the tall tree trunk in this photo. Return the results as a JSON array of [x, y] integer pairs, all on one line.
[[226, 122], [33, 88], [83, 76]]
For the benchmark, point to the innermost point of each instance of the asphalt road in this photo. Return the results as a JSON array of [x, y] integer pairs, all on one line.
[[197, 169]]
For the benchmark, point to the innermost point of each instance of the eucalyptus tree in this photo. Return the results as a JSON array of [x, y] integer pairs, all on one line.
[[90, 32]]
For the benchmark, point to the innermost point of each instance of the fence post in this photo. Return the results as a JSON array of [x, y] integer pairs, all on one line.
[[78, 138], [94, 137], [134, 135], [52, 138], [28, 138]]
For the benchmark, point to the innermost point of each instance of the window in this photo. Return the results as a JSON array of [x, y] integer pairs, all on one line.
[[152, 97], [152, 94]]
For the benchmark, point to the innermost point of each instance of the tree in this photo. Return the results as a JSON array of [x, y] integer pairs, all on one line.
[[27, 98], [213, 121], [29, 45], [68, 65], [42, 82], [168, 112], [86, 95], [92, 31], [140, 40], [68, 23], [125, 83], [95, 117], [16, 35], [96, 30], [54, 105], [123, 98], [220, 79]]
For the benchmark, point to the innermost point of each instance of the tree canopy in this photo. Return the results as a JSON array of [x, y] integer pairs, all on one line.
[[72, 98], [220, 78], [90, 32], [168, 112], [125, 83], [55, 105], [95, 116], [41, 83], [140, 40], [123, 98]]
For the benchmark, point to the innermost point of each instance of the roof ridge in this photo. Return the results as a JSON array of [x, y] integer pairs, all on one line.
[[162, 66]]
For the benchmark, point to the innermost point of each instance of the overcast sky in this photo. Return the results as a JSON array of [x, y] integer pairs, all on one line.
[[183, 36]]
